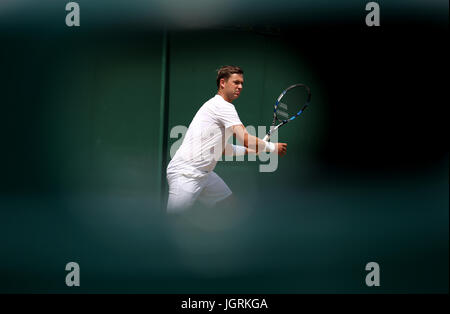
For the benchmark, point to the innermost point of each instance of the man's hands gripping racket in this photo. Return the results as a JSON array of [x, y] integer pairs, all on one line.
[[290, 104]]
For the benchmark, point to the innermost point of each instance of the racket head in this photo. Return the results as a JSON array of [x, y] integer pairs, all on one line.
[[291, 103]]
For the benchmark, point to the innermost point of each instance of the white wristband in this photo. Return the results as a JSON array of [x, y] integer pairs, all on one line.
[[238, 150], [270, 147]]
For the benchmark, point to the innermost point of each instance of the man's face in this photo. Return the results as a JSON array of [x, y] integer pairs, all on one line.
[[233, 86]]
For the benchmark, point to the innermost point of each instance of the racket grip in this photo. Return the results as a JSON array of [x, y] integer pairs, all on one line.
[[266, 138]]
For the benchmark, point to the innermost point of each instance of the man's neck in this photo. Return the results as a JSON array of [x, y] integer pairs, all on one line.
[[223, 96]]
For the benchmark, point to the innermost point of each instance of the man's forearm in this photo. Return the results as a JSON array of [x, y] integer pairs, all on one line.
[[250, 141], [253, 142], [235, 150]]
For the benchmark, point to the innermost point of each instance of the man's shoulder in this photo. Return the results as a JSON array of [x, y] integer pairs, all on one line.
[[220, 102], [217, 106], [215, 99]]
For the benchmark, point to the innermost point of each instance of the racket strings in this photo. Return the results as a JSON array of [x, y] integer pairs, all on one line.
[[291, 103], [282, 110]]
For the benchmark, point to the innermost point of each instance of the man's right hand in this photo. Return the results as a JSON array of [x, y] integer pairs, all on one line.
[[281, 148]]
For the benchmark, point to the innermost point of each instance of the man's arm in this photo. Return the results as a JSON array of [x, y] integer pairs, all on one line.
[[236, 150], [255, 143]]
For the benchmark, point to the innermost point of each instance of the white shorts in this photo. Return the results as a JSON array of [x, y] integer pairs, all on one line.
[[184, 190]]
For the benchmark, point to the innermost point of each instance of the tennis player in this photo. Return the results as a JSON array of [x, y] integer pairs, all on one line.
[[190, 173]]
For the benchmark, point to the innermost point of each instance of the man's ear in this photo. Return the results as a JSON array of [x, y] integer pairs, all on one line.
[[222, 81]]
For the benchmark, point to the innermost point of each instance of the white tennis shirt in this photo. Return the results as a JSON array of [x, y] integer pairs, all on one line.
[[205, 138]]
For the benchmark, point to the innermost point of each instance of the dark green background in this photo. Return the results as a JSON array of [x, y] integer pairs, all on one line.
[[85, 143]]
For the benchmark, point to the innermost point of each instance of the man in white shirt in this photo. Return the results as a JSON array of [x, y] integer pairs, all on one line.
[[190, 172]]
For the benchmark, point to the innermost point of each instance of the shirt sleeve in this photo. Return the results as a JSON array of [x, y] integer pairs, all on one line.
[[228, 116]]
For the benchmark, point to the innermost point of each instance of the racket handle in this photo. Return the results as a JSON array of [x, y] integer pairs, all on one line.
[[266, 138]]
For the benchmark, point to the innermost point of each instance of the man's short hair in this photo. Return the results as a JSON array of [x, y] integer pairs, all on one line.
[[226, 71]]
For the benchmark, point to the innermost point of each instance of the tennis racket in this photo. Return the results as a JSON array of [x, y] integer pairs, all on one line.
[[290, 104]]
